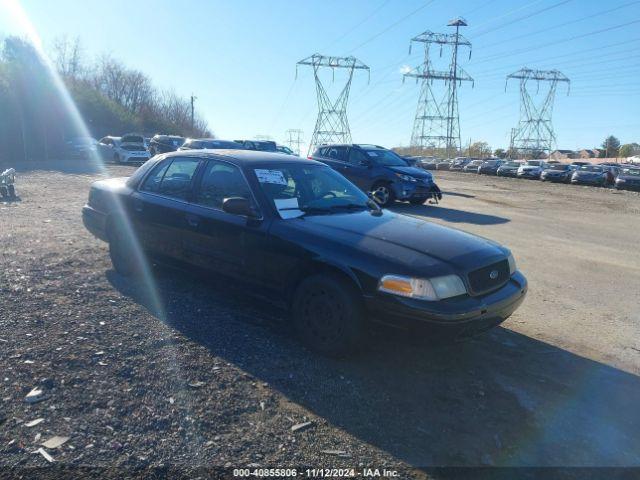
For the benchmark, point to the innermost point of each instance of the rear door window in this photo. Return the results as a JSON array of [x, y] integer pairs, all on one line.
[[172, 179], [221, 180]]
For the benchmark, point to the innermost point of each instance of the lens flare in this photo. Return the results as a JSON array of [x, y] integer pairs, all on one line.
[[20, 18]]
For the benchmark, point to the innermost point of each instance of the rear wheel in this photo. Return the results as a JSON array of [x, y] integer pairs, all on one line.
[[385, 195], [126, 259], [416, 201], [12, 191], [328, 315]]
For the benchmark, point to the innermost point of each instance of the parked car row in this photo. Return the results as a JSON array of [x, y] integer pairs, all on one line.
[[606, 174], [136, 149]]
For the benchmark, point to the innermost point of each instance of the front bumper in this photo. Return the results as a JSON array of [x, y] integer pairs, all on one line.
[[419, 190], [588, 181], [95, 221], [529, 174], [507, 173], [633, 186], [462, 316]]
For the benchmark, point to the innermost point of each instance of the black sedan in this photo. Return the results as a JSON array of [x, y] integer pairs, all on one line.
[[490, 167], [592, 175], [628, 179], [300, 231], [557, 173], [164, 143], [509, 169]]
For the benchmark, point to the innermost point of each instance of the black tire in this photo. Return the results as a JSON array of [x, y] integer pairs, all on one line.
[[4, 192], [416, 201], [388, 193], [12, 191], [328, 316], [116, 158], [122, 252]]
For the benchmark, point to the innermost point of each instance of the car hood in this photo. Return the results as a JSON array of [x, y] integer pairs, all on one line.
[[408, 243], [412, 171]]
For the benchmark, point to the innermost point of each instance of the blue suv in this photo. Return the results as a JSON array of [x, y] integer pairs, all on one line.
[[381, 171]]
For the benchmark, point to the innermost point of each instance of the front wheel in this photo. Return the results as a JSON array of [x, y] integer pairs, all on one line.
[[416, 201], [328, 315], [384, 194]]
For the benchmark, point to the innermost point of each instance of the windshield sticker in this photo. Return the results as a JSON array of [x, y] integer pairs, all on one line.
[[372, 154], [271, 176], [288, 208]]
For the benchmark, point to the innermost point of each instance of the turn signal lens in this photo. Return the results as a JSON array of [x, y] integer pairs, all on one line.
[[512, 264], [420, 288]]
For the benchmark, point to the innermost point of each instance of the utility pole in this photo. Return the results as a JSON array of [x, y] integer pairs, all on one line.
[[294, 139], [534, 133], [193, 99], [437, 123], [332, 124]]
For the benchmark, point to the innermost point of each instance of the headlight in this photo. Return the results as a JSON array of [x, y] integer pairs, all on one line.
[[512, 264], [436, 288], [406, 178], [620, 180]]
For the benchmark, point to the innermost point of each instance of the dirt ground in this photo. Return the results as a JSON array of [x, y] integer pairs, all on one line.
[[214, 380]]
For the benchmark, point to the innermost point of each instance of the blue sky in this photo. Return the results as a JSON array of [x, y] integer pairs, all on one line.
[[239, 58]]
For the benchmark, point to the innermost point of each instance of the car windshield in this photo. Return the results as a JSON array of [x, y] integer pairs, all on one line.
[[591, 168], [511, 164], [534, 163], [490, 163], [386, 158], [298, 189], [559, 167], [476, 162]]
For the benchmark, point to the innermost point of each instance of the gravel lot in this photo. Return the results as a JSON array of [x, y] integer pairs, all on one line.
[[212, 379]]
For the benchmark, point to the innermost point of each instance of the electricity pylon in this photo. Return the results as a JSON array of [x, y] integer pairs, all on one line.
[[437, 123], [534, 134], [332, 124], [294, 139]]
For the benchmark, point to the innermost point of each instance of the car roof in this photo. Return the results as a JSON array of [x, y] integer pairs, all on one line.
[[244, 157]]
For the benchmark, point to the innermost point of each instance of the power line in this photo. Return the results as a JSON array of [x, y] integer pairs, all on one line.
[[556, 42], [394, 24], [564, 24], [532, 14], [359, 24]]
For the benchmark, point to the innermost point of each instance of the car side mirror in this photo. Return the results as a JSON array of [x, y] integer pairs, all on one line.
[[238, 206]]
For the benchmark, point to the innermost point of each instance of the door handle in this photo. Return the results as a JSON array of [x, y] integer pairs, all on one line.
[[192, 220]]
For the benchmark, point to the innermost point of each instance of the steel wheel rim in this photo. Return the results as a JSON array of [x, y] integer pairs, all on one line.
[[385, 194]]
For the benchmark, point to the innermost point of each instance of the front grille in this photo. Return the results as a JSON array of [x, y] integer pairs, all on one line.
[[480, 280]]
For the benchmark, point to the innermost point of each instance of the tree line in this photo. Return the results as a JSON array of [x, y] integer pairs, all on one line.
[[36, 118]]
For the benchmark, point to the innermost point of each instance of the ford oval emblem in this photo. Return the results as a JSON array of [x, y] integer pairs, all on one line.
[[493, 275]]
